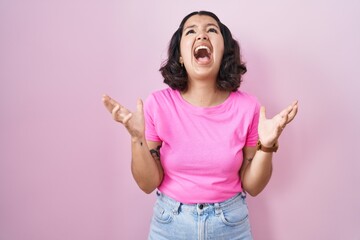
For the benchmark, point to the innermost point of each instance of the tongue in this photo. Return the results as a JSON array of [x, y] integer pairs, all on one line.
[[202, 56], [203, 59]]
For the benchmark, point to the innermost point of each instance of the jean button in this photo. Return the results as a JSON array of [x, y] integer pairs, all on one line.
[[201, 206]]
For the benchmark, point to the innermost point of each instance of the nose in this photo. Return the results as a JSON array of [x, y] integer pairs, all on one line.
[[202, 36]]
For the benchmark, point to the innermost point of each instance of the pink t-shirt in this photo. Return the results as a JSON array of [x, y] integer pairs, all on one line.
[[201, 150]]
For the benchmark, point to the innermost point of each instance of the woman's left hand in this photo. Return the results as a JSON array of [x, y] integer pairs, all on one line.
[[271, 129]]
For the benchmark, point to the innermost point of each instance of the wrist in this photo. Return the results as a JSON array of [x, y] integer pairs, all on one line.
[[137, 139], [267, 148]]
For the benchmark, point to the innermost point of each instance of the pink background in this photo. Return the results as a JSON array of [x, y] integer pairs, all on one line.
[[65, 165]]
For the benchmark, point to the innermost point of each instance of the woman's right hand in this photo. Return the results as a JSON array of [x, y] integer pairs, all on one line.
[[133, 121]]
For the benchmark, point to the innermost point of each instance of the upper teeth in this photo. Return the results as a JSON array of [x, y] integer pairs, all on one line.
[[202, 47]]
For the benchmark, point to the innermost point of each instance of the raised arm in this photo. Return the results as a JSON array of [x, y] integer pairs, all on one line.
[[145, 163], [256, 170]]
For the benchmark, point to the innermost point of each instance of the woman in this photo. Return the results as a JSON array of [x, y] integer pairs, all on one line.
[[202, 143]]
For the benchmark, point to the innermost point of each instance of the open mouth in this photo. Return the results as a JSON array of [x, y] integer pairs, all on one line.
[[202, 54]]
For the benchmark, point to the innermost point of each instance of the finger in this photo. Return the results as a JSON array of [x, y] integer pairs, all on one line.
[[127, 118], [114, 113], [262, 113], [283, 122], [286, 111], [293, 110], [295, 103], [292, 114], [140, 106], [106, 98], [109, 103]]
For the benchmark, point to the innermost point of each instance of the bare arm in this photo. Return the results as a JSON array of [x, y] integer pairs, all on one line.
[[145, 164], [256, 169]]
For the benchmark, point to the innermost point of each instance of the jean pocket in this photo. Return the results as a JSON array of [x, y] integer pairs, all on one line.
[[234, 216], [162, 215]]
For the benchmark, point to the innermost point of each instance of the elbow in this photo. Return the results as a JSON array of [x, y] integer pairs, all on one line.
[[253, 193], [147, 190], [253, 190], [149, 187]]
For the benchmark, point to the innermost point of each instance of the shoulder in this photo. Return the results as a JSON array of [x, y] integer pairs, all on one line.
[[246, 99], [161, 97], [163, 93]]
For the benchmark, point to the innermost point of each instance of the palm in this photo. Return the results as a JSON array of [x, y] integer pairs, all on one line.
[[136, 124], [133, 121], [270, 129]]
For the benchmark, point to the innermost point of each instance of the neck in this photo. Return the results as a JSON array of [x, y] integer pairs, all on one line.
[[204, 95]]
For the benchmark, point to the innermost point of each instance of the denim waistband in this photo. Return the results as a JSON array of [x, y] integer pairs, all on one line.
[[174, 205]]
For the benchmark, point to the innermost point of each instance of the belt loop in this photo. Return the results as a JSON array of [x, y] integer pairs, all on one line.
[[176, 208], [243, 197], [217, 209], [243, 194]]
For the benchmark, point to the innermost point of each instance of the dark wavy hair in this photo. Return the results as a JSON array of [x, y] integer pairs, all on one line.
[[231, 68]]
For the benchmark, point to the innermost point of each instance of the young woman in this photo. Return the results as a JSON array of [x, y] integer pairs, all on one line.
[[202, 143]]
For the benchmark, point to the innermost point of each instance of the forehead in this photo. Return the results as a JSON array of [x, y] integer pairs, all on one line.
[[200, 20]]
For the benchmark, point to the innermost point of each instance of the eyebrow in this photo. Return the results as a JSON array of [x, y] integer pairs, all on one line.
[[207, 25]]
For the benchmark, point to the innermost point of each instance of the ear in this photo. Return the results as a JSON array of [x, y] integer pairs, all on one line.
[[181, 61]]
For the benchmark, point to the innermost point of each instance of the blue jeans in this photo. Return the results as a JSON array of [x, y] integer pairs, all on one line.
[[226, 220]]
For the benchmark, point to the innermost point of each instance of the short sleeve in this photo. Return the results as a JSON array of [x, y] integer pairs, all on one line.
[[150, 109], [253, 136]]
